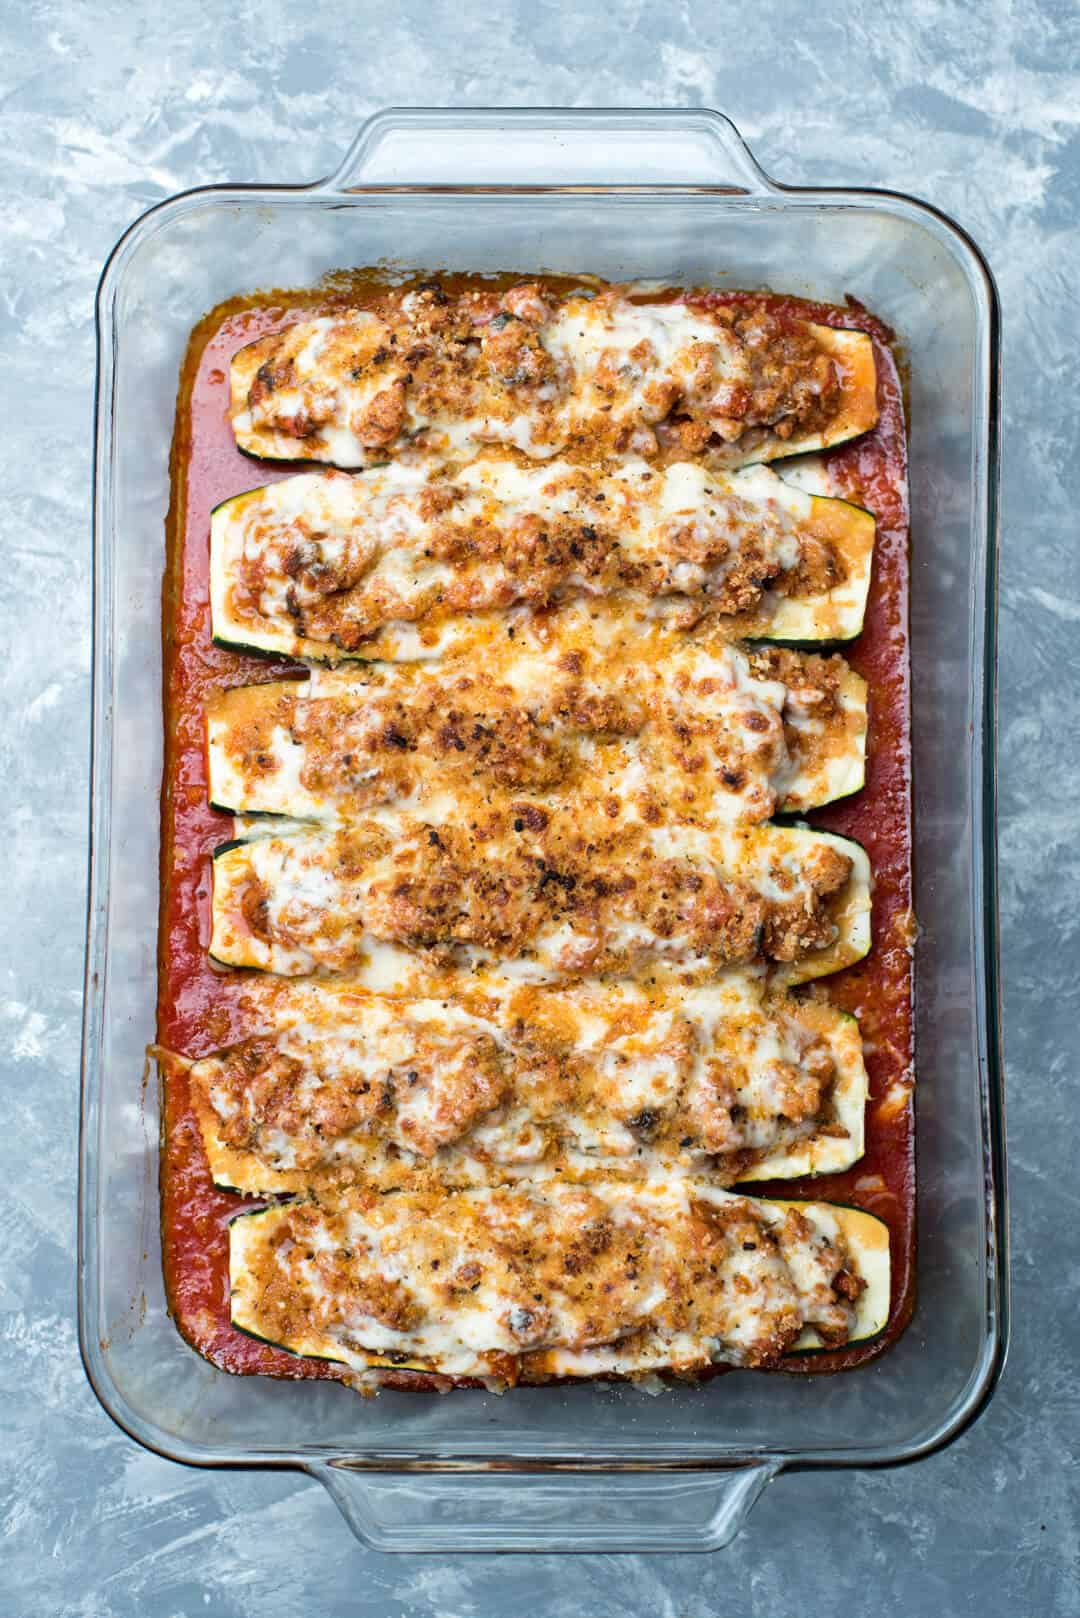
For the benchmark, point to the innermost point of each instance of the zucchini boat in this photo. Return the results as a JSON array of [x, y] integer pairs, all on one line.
[[328, 566], [868, 1237], [532, 1282], [855, 410], [713, 733], [721, 1080], [599, 373], [850, 912], [825, 725], [560, 896]]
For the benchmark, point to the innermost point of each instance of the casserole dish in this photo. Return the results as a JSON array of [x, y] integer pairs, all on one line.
[[632, 195]]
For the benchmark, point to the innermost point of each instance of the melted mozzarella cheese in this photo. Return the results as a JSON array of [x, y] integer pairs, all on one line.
[[358, 388], [504, 1281], [306, 380], [529, 1082], [630, 361], [326, 565], [564, 892], [531, 940], [692, 724]]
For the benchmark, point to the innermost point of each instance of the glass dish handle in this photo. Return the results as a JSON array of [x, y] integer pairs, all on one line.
[[550, 146], [451, 1512]]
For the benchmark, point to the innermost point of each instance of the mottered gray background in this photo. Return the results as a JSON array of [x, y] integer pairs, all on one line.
[[104, 110]]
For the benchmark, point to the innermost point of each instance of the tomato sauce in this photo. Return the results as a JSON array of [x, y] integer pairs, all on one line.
[[201, 1008]]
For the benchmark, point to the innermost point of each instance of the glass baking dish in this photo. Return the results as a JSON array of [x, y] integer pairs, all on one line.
[[625, 194]]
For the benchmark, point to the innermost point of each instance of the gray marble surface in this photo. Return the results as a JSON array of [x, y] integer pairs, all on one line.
[[105, 109]]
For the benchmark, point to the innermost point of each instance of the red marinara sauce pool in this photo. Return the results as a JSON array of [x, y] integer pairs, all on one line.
[[201, 1008]]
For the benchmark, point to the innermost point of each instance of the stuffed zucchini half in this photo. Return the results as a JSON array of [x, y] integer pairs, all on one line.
[[548, 896], [397, 563], [598, 372], [724, 1080], [531, 1282], [712, 732], [853, 413]]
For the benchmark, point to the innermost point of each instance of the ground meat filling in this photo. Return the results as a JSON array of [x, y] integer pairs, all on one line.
[[408, 739], [508, 364], [524, 1092], [802, 924], [465, 738], [794, 386], [812, 680], [586, 898], [292, 1109], [501, 905], [500, 1115], [362, 553], [510, 1281], [816, 724]]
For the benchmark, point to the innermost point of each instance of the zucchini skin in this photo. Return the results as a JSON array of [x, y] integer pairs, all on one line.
[[243, 647], [251, 814], [228, 846], [275, 654], [265, 462], [270, 1342], [805, 645]]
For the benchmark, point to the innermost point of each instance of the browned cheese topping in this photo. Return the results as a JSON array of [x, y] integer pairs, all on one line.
[[590, 375], [524, 944], [565, 1080], [329, 564], [581, 894], [704, 731], [530, 1282]]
